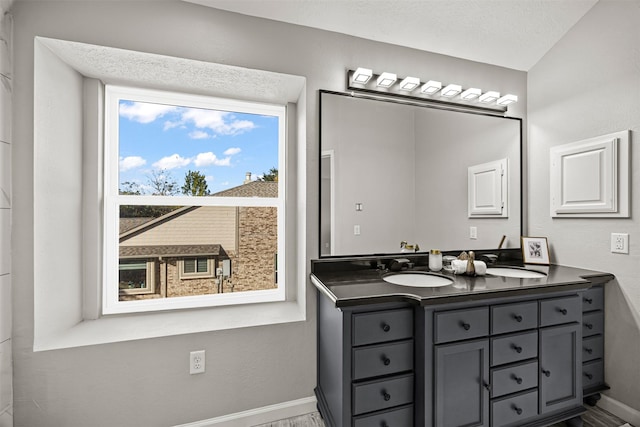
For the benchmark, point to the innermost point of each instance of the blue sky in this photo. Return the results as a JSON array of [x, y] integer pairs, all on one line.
[[223, 146]]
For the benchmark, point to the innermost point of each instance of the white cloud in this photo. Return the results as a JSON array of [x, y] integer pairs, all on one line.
[[143, 112], [232, 151], [208, 159], [220, 122], [198, 134], [131, 162], [171, 162]]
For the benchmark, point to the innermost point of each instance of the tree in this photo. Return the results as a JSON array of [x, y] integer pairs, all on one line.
[[195, 184], [129, 188], [272, 175], [162, 183]]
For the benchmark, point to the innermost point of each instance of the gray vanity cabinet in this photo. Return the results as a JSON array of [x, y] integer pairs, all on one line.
[[461, 384], [593, 344]]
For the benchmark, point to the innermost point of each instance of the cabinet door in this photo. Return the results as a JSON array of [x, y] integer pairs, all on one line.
[[560, 364], [462, 384]]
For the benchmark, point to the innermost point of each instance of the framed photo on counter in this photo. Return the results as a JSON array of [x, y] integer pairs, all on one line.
[[535, 250]]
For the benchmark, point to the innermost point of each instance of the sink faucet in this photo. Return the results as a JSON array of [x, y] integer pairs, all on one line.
[[404, 247]]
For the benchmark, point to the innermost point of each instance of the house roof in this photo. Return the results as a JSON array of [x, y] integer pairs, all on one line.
[[171, 251], [127, 224], [251, 189]]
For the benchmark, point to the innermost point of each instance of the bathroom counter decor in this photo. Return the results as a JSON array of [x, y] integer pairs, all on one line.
[[489, 351]]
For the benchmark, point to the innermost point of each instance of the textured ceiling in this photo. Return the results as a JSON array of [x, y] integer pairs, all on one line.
[[509, 33]]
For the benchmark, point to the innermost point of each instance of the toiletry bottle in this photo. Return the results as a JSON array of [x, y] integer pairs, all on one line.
[[435, 260]]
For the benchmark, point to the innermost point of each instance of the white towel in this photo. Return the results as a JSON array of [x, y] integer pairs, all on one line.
[[460, 267]]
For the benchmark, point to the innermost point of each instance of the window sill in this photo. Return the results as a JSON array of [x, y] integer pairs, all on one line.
[[109, 329]]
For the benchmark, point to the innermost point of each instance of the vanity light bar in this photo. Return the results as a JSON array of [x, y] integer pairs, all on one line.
[[388, 84]]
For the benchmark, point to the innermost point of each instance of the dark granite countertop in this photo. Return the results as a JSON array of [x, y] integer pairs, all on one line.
[[356, 281]]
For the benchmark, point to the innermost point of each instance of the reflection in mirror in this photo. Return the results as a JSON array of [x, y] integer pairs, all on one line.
[[393, 172]]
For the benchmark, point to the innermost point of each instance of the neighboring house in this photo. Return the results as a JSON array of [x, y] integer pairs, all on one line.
[[180, 253]]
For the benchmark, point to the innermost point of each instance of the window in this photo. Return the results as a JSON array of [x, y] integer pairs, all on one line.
[[136, 276], [190, 181], [196, 267]]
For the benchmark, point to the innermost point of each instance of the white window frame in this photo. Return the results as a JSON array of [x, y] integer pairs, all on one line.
[[113, 200]]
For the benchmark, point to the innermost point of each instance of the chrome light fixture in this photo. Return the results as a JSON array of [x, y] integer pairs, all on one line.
[[489, 97], [409, 83], [362, 75], [431, 87], [387, 79], [451, 90]]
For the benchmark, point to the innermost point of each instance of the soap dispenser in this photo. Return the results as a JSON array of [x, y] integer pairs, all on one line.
[[471, 268]]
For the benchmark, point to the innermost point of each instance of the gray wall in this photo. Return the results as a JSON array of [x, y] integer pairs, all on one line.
[[589, 85], [147, 382]]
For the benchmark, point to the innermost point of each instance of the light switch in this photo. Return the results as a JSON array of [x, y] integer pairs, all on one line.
[[356, 230]]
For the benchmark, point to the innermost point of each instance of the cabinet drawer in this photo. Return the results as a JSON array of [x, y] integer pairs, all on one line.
[[556, 311], [592, 323], [382, 394], [514, 409], [593, 299], [382, 359], [592, 348], [401, 417], [461, 324], [592, 373], [382, 326], [514, 317], [513, 348], [514, 378]]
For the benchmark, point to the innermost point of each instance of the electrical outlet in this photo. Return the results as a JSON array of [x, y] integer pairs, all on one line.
[[473, 232], [620, 243], [196, 362]]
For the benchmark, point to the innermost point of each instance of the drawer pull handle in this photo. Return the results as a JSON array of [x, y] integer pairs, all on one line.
[[466, 326], [487, 386], [517, 379], [517, 348], [386, 360], [386, 327], [563, 311], [518, 410], [588, 300], [589, 325], [518, 318], [386, 396], [588, 375], [546, 373], [588, 350]]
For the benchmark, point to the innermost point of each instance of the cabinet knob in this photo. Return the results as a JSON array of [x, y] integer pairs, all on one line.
[[588, 375], [466, 326], [517, 379], [546, 373], [386, 360], [588, 350], [517, 409], [563, 311], [518, 318], [384, 424], [386, 327], [487, 386], [589, 325], [386, 396], [588, 300], [517, 348]]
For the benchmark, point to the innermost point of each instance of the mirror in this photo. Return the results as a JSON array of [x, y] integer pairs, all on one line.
[[393, 172]]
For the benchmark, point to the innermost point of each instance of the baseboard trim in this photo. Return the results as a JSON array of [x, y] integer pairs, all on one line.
[[619, 409], [261, 415]]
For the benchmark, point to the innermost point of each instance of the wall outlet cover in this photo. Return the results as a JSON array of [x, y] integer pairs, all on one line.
[[620, 243]]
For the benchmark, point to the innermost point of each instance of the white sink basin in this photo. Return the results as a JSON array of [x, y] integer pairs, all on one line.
[[417, 279], [515, 272]]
